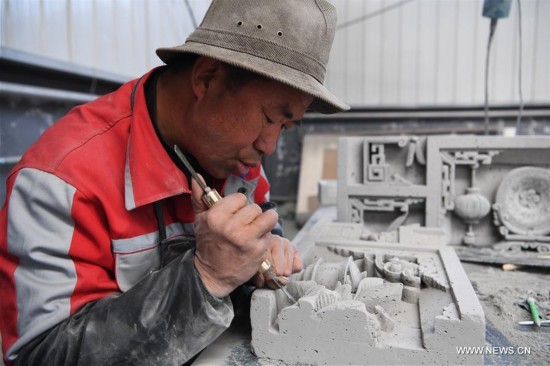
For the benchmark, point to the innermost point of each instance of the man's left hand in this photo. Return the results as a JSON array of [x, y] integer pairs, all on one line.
[[284, 258]]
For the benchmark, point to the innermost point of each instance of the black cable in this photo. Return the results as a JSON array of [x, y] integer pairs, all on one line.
[[491, 33], [518, 122], [191, 14]]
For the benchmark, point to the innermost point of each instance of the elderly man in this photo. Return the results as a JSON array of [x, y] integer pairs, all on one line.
[[107, 253]]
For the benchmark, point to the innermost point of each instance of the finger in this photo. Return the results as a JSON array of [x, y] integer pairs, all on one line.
[[265, 222], [269, 282], [278, 255], [231, 204], [286, 254], [297, 264], [258, 280], [247, 214], [282, 280], [289, 256]]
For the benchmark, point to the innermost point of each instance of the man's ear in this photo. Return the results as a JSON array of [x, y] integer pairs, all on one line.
[[204, 70]]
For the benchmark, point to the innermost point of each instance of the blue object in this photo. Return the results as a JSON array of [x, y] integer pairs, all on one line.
[[495, 9]]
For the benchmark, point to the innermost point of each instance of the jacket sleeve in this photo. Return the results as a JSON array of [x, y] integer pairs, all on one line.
[[165, 319], [56, 239]]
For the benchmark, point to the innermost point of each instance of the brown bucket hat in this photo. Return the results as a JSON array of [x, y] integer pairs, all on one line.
[[285, 40]]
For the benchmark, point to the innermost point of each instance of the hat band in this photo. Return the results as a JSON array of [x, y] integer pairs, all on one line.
[[261, 48]]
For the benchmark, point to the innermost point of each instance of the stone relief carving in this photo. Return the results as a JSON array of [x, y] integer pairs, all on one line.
[[522, 210], [471, 206], [376, 169], [360, 206], [385, 182], [360, 301], [399, 294]]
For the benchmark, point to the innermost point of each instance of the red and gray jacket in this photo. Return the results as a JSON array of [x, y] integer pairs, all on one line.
[[79, 223]]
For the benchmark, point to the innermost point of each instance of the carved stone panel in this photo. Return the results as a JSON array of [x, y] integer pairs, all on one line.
[[488, 193], [361, 301]]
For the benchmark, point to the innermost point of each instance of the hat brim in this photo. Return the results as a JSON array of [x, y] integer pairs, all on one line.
[[324, 102]]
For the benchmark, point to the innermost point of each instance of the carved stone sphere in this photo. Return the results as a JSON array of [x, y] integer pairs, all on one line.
[[473, 206]]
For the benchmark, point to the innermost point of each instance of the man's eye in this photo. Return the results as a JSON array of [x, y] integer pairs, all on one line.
[[268, 120], [291, 125]]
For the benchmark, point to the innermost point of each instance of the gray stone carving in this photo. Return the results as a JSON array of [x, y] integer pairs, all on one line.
[[367, 302], [489, 194], [384, 285], [522, 210]]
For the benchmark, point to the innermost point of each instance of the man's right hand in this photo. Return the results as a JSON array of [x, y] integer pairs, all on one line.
[[232, 240]]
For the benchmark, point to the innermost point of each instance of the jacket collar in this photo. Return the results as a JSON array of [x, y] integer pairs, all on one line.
[[150, 174]]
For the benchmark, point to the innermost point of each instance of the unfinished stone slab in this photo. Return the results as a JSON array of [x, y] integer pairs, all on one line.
[[363, 302]]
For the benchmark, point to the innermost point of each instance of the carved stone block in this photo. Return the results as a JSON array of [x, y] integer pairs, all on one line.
[[491, 195], [367, 302]]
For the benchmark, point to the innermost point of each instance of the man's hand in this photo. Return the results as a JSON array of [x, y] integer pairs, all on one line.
[[284, 258], [233, 239]]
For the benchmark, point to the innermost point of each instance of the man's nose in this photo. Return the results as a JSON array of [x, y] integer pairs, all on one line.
[[266, 143]]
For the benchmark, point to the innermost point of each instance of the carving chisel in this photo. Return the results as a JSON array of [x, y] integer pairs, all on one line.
[[543, 323], [280, 281], [210, 197]]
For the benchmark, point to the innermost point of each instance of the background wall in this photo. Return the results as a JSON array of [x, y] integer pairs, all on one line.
[[405, 66], [118, 36], [386, 52], [432, 52]]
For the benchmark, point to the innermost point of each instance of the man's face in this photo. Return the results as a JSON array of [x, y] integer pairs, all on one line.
[[232, 129]]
